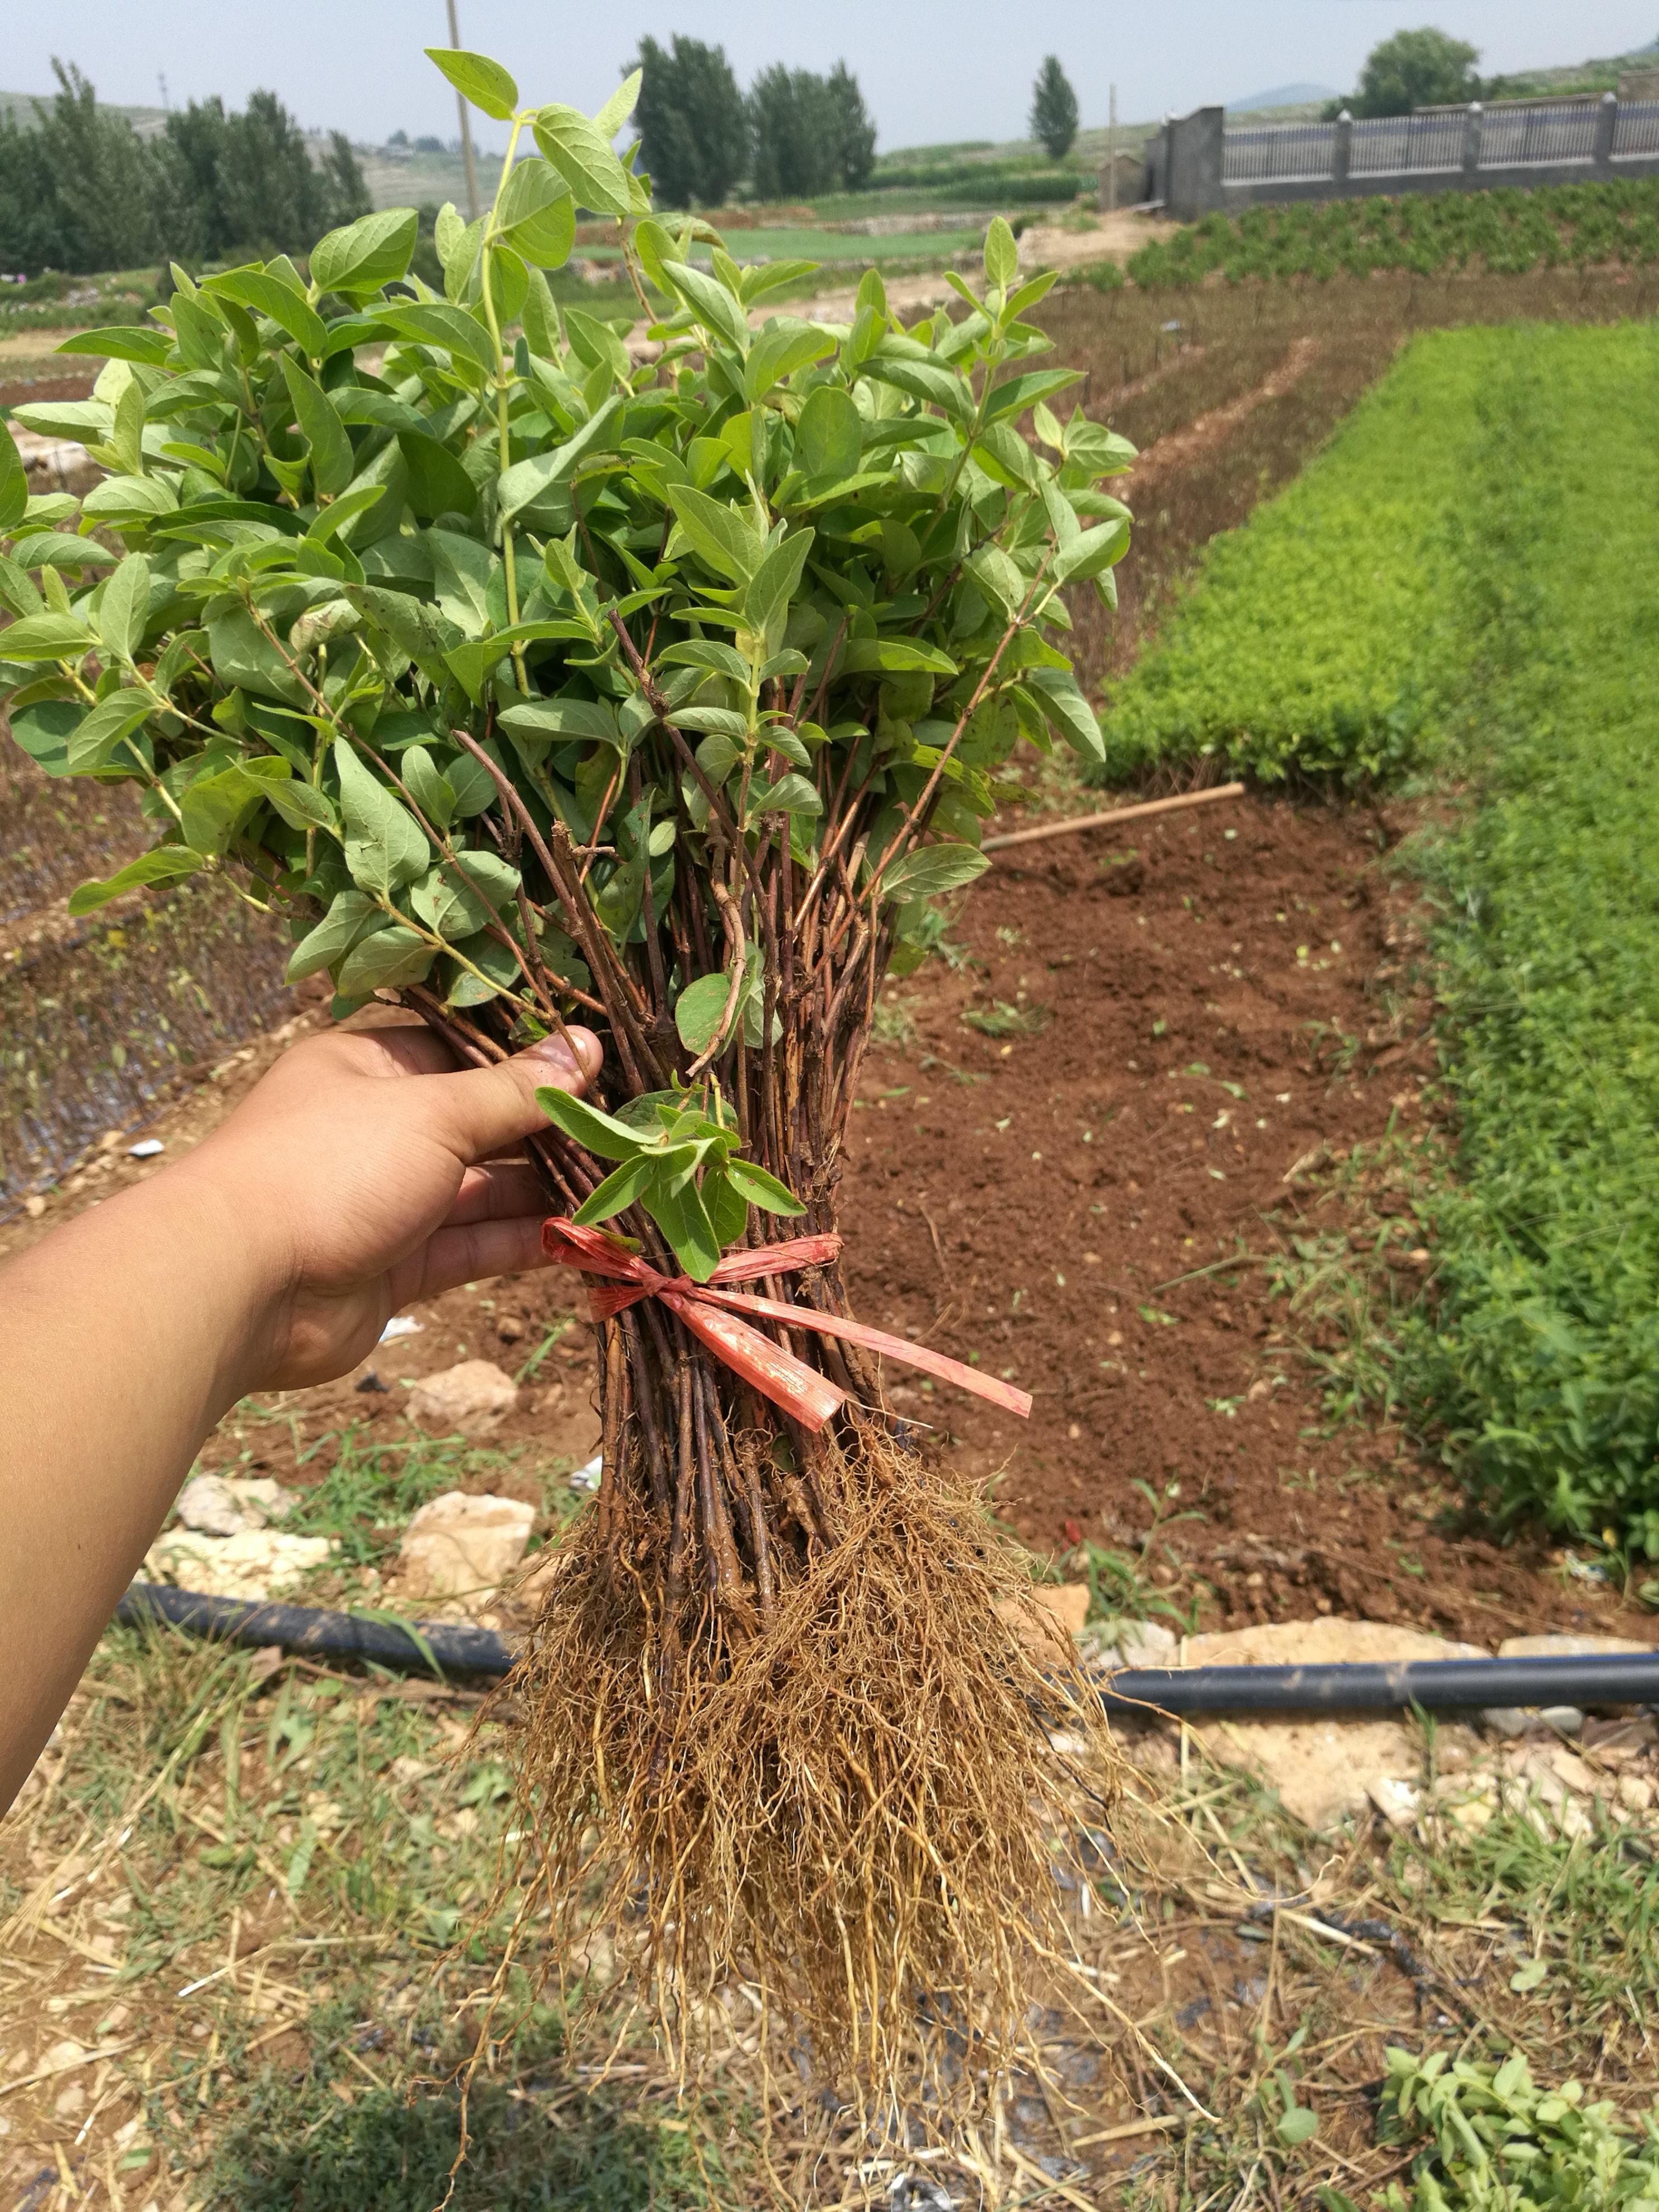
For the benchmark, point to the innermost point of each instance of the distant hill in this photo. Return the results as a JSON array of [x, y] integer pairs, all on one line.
[[148, 122], [1283, 96]]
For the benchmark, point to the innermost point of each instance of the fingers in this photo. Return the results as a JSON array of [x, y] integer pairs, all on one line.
[[487, 1108], [500, 1191], [478, 1250]]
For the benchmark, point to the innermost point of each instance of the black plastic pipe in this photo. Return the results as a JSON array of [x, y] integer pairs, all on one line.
[[319, 1635], [1438, 1686]]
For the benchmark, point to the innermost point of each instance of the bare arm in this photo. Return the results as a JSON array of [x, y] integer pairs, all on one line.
[[360, 1175]]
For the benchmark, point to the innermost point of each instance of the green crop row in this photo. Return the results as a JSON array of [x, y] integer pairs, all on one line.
[[1542, 1368], [1314, 643], [1466, 575], [1508, 233]]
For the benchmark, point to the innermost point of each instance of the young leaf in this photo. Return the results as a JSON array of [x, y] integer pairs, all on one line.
[[683, 1220], [302, 806], [365, 255], [620, 105], [125, 608], [600, 1133], [759, 1189], [332, 463], [13, 483], [48, 637], [384, 846], [166, 865], [1001, 254], [698, 1009], [710, 301], [477, 78], [830, 435], [728, 1214], [351, 914], [932, 869], [94, 743], [617, 1192], [582, 153]]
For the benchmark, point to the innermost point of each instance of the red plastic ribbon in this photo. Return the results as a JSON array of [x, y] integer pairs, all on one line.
[[713, 1315]]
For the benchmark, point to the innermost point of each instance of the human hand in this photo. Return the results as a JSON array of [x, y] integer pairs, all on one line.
[[369, 1173]]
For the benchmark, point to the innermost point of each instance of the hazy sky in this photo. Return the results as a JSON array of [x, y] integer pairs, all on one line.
[[931, 69]]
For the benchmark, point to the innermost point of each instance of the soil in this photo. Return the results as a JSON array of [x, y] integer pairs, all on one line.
[[1033, 1201]]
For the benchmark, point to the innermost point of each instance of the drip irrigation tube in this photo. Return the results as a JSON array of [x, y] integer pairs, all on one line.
[[1438, 1686]]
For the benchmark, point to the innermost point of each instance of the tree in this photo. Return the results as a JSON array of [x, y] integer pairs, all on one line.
[[693, 124], [1416, 68], [855, 144], [1053, 109], [792, 128]]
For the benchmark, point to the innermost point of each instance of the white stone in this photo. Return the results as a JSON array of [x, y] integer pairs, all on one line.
[[1397, 1800], [255, 1563], [1566, 1647], [462, 1546], [1148, 1643], [225, 1505], [475, 1395]]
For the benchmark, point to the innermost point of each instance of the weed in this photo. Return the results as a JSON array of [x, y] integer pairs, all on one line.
[[1122, 1584], [1003, 1020]]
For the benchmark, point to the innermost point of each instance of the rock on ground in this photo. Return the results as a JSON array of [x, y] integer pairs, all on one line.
[[474, 1397], [1060, 1610], [254, 1563], [458, 1547], [226, 1505]]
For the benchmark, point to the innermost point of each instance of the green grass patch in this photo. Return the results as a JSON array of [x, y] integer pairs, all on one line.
[[1508, 233], [1313, 643]]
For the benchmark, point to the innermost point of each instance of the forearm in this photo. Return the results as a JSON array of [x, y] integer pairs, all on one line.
[[124, 1338]]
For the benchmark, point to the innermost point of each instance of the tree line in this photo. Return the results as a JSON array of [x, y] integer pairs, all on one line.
[[82, 191], [792, 135]]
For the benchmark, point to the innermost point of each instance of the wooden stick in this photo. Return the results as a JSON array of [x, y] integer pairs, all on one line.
[[1118, 814]]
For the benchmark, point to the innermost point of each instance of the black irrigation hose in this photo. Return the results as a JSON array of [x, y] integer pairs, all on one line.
[[320, 1635], [1435, 1685]]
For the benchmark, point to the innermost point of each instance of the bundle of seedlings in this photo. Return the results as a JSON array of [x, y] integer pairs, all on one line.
[[533, 680]]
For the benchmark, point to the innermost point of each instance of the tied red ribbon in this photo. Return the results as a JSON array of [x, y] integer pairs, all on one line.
[[714, 1315]]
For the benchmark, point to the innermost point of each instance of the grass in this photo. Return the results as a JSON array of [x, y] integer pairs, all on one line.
[[1506, 232]]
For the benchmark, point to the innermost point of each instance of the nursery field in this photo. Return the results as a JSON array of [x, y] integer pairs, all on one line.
[[1290, 1151]]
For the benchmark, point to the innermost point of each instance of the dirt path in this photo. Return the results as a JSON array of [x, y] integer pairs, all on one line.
[[1186, 448]]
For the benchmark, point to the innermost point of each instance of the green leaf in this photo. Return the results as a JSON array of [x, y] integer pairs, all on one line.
[[582, 153], [244, 657], [759, 1189], [790, 794], [710, 302], [683, 1220], [593, 719], [1001, 254], [1090, 552], [384, 847], [387, 954], [1529, 1977], [438, 484], [830, 435], [728, 1214], [125, 608], [719, 534], [929, 380], [1019, 392], [526, 481], [538, 214], [332, 462], [698, 1009], [1298, 2125], [433, 793], [55, 549], [477, 78], [48, 637], [13, 483], [113, 719], [365, 255], [785, 345], [284, 303], [865, 656], [459, 897], [766, 602], [439, 322], [1067, 710], [598, 1134], [617, 1192], [122, 343], [166, 865], [620, 105], [302, 806], [932, 869], [351, 914]]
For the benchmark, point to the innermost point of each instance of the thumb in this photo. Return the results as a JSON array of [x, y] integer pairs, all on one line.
[[488, 1108]]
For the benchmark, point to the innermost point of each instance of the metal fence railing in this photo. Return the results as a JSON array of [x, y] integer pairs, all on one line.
[[1394, 145], [1526, 135], [1279, 153], [1636, 130]]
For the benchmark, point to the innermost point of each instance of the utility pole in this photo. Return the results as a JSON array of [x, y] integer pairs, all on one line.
[[1111, 153], [466, 130]]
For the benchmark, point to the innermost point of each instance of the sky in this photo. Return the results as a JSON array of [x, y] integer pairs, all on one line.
[[931, 69]]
